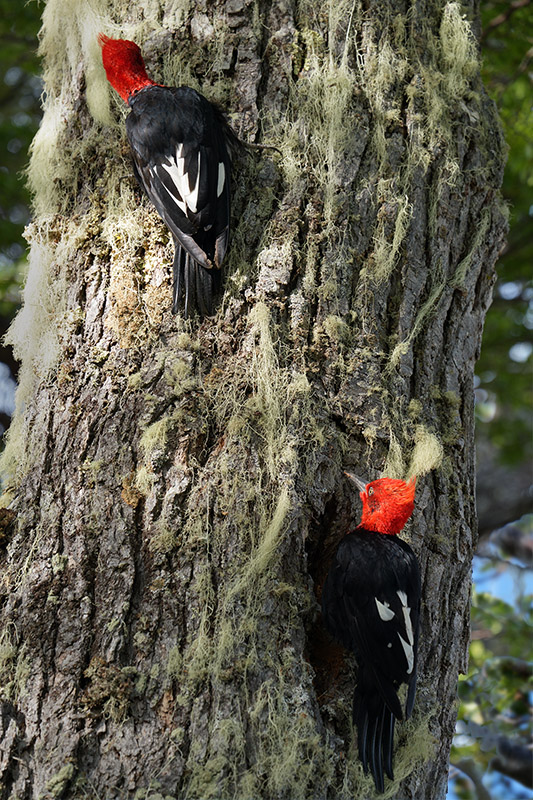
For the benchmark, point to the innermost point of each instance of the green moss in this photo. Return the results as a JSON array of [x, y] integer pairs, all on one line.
[[144, 480], [370, 434], [108, 691], [174, 664], [113, 624], [416, 747], [209, 783], [257, 567], [14, 665], [141, 684], [91, 470], [165, 538], [453, 399], [185, 342], [416, 408], [60, 781], [135, 381], [383, 68], [337, 330], [180, 376], [177, 735], [292, 754], [59, 562], [394, 464], [154, 437], [313, 136], [36, 335], [141, 640]]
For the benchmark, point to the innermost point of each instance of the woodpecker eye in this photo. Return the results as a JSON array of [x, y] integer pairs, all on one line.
[[370, 491]]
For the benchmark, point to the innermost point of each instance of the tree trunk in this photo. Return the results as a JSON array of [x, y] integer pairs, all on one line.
[[178, 486]]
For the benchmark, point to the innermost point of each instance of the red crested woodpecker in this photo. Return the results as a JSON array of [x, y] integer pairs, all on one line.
[[371, 605], [179, 142]]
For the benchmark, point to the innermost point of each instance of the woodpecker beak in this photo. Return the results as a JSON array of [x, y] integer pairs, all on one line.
[[359, 482]]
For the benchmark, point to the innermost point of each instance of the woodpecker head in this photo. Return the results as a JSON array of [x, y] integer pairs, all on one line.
[[387, 503], [124, 66]]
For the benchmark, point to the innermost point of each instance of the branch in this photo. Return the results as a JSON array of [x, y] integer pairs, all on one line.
[[500, 19], [524, 64], [512, 543], [468, 767], [516, 761]]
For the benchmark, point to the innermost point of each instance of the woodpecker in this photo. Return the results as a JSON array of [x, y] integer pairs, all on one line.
[[179, 142], [371, 605]]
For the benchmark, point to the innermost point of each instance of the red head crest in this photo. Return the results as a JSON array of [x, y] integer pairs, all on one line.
[[387, 503], [124, 66]]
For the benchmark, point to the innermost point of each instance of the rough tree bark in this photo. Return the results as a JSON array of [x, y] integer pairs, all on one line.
[[178, 486]]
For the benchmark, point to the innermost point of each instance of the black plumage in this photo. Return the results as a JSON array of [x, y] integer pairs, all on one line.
[[371, 605], [179, 145]]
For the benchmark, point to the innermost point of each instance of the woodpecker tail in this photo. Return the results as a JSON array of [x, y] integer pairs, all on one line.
[[374, 722], [199, 284]]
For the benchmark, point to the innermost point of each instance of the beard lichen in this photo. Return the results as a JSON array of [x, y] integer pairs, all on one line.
[[427, 453]]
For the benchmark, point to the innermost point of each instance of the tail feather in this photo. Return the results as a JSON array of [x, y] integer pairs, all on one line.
[[388, 741], [360, 720], [376, 761], [374, 722], [204, 291], [198, 282], [411, 696], [178, 268], [190, 285]]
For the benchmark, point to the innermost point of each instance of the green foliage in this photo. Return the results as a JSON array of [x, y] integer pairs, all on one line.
[[20, 89], [495, 694], [504, 394]]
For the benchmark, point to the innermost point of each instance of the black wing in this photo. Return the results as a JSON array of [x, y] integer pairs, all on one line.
[[371, 604]]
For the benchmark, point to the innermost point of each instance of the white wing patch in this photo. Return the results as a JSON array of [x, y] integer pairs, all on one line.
[[173, 172], [385, 613], [187, 195], [407, 646], [191, 197], [409, 654], [408, 625], [403, 597], [406, 616], [180, 161], [221, 179]]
